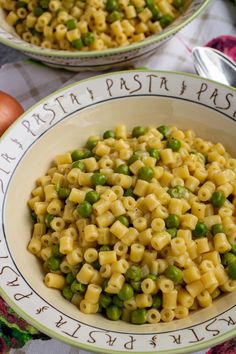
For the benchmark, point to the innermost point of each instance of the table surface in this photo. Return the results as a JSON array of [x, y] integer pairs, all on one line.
[[9, 55]]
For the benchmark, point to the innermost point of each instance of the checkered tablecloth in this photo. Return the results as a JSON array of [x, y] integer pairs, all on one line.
[[29, 82]]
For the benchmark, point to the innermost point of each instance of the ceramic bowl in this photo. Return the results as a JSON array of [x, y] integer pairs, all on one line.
[[99, 60], [60, 123]]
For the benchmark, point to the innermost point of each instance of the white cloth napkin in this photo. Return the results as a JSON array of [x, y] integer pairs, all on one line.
[[29, 82]]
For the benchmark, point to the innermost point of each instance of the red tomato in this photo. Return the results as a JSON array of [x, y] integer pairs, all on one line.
[[10, 109]]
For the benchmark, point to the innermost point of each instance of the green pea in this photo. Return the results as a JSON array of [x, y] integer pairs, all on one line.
[[217, 229], [228, 258], [123, 219], [136, 285], [77, 155], [138, 316], [172, 221], [200, 230], [126, 292], [48, 218], [78, 43], [174, 273], [156, 301], [91, 143], [177, 3], [154, 153], [117, 301], [133, 158], [44, 4], [53, 263], [67, 293], [232, 270], [217, 199], [105, 300], [20, 4], [77, 287], [164, 130], [151, 276], [114, 16], [113, 312], [63, 193], [172, 232], [56, 251], [177, 192], [108, 134], [112, 5], [98, 179], [92, 197], [38, 11], [88, 38], [96, 264], [70, 278], [71, 24], [123, 169], [146, 173], [138, 131], [174, 144], [104, 248], [84, 209], [78, 164], [233, 249], [104, 284], [134, 273], [34, 216], [153, 8], [166, 20], [129, 192]]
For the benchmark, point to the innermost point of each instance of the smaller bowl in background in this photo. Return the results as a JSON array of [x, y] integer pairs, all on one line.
[[120, 57]]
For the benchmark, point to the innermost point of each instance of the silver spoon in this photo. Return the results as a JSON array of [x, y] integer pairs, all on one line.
[[213, 64]]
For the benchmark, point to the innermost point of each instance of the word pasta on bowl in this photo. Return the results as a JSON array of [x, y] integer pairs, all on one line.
[[124, 234], [93, 35]]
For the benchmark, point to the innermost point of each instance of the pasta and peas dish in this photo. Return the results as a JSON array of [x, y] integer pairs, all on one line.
[[89, 24], [140, 225]]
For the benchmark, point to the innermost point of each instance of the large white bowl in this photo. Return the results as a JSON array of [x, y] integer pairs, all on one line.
[[60, 123], [120, 57]]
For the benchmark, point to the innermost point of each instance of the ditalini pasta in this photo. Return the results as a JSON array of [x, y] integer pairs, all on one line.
[[89, 24], [138, 225]]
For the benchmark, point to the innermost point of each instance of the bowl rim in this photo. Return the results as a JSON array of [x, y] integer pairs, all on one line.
[[52, 333], [163, 35]]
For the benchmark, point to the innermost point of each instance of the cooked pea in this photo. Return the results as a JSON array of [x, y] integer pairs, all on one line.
[[217, 228], [232, 270], [126, 292], [114, 16], [105, 248], [77, 155], [123, 219], [156, 301], [164, 130], [113, 312], [172, 221], [133, 158], [166, 20], [108, 134], [174, 144], [34, 216], [105, 300], [123, 169], [91, 143], [146, 173], [77, 287], [139, 316], [136, 285], [47, 219], [134, 273], [63, 193], [129, 192], [84, 209], [20, 4], [67, 293], [70, 278], [71, 24], [151, 276], [92, 197], [88, 38], [200, 230], [53, 263], [233, 249], [172, 232], [78, 43], [38, 11], [56, 251], [154, 9], [177, 192], [138, 131], [174, 273], [228, 258], [117, 301], [112, 5], [44, 4], [79, 164], [154, 153], [217, 199], [98, 179], [177, 3]]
